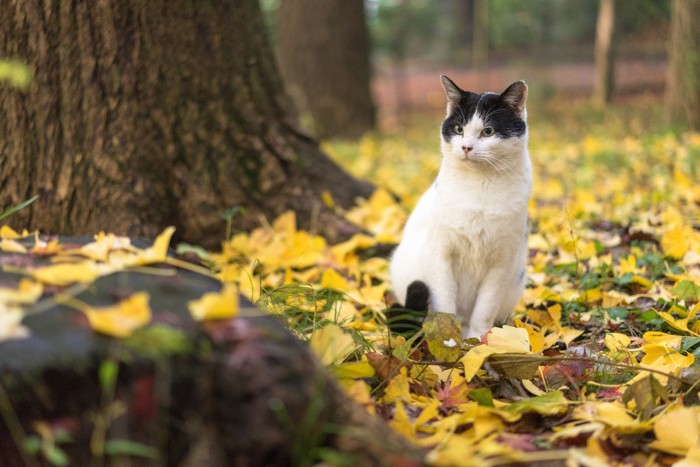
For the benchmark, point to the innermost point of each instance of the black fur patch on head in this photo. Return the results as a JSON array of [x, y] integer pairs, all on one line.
[[496, 110]]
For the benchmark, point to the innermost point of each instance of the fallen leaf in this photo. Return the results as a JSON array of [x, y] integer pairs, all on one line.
[[122, 319], [216, 305], [332, 344], [678, 430]]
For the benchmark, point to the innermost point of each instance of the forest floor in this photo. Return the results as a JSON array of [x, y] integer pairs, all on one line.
[[599, 362]]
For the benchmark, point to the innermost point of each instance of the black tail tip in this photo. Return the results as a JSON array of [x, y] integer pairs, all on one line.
[[407, 320], [417, 296]]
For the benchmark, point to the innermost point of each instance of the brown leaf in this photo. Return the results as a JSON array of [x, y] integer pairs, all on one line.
[[645, 393]]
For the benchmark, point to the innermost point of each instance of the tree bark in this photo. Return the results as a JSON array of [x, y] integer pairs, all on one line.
[[323, 49], [480, 43], [683, 91], [605, 52], [147, 114]]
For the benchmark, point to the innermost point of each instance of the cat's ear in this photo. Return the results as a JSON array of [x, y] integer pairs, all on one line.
[[515, 97], [452, 91]]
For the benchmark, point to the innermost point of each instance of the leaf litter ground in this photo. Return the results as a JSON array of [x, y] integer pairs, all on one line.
[[598, 365]]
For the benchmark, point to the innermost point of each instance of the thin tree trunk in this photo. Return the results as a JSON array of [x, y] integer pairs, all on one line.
[[148, 114], [683, 91], [323, 53], [605, 52], [480, 44]]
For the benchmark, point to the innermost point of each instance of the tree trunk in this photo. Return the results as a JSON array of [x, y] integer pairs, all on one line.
[[324, 59], [683, 91], [147, 114], [605, 52], [480, 44]]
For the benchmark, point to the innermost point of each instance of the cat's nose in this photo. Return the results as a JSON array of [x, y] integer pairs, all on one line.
[[467, 149]]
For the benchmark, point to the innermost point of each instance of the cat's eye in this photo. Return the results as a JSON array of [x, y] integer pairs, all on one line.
[[458, 129], [488, 131]]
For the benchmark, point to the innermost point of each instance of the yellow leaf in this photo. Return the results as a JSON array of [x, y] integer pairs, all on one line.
[[401, 422], [354, 370], [286, 223], [508, 339], [216, 305], [68, 273], [429, 412], [26, 293], [677, 431], [663, 359], [332, 280], [681, 323], [615, 341], [536, 339], [674, 243], [122, 319], [613, 415], [661, 338], [159, 251], [332, 344], [6, 233], [12, 246], [474, 359], [100, 249]]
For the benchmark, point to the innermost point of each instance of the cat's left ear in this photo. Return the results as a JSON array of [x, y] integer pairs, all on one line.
[[515, 97]]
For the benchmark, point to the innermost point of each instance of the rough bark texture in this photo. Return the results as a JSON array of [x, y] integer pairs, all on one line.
[[237, 392], [324, 58], [148, 114], [605, 52], [683, 91]]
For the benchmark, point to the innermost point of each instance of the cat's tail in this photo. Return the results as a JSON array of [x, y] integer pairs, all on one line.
[[407, 320]]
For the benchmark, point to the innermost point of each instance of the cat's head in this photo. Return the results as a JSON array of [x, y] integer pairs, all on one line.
[[485, 130]]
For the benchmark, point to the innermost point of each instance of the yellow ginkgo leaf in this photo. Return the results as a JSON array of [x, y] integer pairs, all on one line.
[[508, 339], [100, 249], [216, 305], [615, 341], [678, 431], [122, 319], [474, 359], [661, 338], [12, 246], [7, 233], [27, 292], [332, 344], [69, 273], [674, 242], [159, 250]]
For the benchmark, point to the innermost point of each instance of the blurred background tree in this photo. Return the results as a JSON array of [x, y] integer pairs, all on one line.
[[324, 56], [683, 92]]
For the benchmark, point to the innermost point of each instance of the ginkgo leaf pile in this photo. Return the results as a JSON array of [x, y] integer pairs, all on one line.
[[599, 364]]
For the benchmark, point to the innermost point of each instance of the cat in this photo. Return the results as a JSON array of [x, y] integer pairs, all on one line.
[[464, 245]]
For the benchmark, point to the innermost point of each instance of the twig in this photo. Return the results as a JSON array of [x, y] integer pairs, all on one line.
[[564, 358]]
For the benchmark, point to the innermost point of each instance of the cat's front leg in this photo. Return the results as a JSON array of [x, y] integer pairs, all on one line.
[[443, 289], [497, 297]]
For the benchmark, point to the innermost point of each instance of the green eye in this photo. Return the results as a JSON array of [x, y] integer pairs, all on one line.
[[458, 129], [488, 131]]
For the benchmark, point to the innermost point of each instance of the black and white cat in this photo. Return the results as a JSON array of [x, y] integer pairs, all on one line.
[[465, 244]]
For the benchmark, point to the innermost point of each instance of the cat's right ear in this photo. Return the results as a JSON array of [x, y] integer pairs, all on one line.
[[452, 91]]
